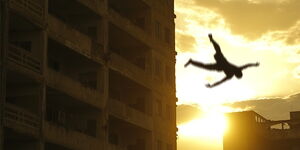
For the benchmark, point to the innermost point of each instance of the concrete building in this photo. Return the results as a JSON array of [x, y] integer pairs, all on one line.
[[87, 75], [250, 131]]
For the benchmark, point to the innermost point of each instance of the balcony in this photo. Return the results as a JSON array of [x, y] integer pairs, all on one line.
[[115, 147], [34, 10], [80, 30], [24, 59], [136, 11], [74, 88], [128, 26], [130, 70], [21, 120], [122, 111], [95, 5], [71, 139], [136, 66], [87, 7], [69, 36]]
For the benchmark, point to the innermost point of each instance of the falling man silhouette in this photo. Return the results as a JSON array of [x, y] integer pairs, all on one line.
[[221, 64]]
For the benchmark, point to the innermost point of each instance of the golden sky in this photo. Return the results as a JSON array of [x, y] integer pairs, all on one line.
[[267, 31]]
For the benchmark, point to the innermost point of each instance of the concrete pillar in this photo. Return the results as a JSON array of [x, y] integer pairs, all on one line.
[[149, 62], [3, 47], [42, 90], [42, 114], [105, 34], [44, 85], [105, 3]]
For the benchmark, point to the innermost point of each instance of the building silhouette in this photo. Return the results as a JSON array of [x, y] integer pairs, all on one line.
[[250, 131], [87, 75]]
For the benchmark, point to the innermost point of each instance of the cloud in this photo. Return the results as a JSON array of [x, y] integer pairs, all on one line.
[[186, 113], [276, 50], [267, 31], [260, 1], [185, 42], [297, 72], [252, 18], [271, 108], [293, 36], [192, 23], [290, 36]]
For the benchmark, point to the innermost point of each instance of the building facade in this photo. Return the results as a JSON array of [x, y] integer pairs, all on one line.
[[250, 131], [87, 75]]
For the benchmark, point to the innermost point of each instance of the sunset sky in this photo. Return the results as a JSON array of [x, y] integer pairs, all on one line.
[[267, 31]]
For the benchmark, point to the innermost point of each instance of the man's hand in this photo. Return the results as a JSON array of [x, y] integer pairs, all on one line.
[[256, 64], [208, 85], [188, 62]]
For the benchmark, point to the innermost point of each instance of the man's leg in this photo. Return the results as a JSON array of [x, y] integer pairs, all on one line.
[[202, 65]]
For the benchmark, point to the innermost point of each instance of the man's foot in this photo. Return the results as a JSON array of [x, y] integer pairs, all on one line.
[[210, 36], [187, 63]]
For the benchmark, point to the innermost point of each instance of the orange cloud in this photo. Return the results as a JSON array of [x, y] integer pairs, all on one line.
[[186, 113], [272, 108], [185, 42], [256, 17]]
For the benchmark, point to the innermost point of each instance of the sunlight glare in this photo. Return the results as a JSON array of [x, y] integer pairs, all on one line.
[[211, 125]]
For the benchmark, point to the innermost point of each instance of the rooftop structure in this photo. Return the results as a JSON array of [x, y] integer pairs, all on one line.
[[250, 131]]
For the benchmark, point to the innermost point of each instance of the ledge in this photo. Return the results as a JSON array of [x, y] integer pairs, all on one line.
[[71, 139], [124, 112], [130, 70], [69, 36], [31, 9], [74, 89], [21, 120]]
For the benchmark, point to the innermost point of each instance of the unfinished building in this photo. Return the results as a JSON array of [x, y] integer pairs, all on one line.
[[87, 75], [250, 131]]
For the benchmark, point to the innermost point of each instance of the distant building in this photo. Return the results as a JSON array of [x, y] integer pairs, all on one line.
[[87, 75], [250, 131]]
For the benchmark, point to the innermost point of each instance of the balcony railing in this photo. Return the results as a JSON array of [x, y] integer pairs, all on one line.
[[74, 88], [128, 25], [71, 139], [125, 20], [131, 70], [95, 5], [24, 58], [115, 147], [20, 119], [282, 134], [33, 8], [134, 116], [69, 36]]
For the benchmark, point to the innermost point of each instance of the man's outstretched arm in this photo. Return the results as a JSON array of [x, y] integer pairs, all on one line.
[[249, 65], [215, 44], [219, 82]]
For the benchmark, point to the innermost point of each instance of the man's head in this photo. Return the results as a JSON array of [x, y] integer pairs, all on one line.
[[238, 73]]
